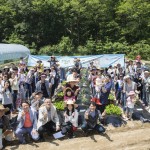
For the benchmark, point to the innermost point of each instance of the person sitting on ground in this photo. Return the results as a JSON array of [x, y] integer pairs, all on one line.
[[48, 120], [27, 119], [4, 123], [71, 119], [92, 115]]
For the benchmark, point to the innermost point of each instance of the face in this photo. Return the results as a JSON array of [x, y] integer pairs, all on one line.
[[132, 96], [5, 77], [6, 84], [68, 93], [47, 103], [146, 75], [37, 97], [43, 78], [2, 113], [92, 108], [70, 106], [25, 107], [13, 75]]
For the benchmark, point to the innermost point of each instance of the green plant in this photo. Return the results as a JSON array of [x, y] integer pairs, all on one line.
[[60, 94], [111, 96], [113, 110], [59, 105], [63, 83]]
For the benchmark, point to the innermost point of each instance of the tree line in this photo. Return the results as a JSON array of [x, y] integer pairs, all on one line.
[[77, 27]]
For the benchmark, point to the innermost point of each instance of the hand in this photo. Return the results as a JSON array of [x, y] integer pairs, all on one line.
[[57, 128], [33, 94], [23, 114], [45, 115], [34, 131], [86, 115], [65, 115]]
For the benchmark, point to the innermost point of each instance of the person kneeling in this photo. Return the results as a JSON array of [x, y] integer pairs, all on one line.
[[91, 119], [27, 123], [71, 119], [48, 120]]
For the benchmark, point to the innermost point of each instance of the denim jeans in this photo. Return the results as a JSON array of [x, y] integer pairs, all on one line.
[[15, 93], [99, 128], [28, 88], [21, 131]]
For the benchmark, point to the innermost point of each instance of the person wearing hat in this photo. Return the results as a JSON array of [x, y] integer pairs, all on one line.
[[44, 86], [48, 120], [52, 61], [146, 89], [130, 104], [92, 115], [40, 66], [5, 126], [128, 86], [74, 75], [71, 119], [72, 84]]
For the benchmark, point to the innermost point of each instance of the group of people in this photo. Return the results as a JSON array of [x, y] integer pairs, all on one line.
[[27, 93]]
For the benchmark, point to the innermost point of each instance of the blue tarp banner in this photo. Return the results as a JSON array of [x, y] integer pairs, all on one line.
[[102, 61]]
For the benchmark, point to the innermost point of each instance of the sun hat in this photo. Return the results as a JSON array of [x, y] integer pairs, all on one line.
[[72, 79], [9, 135], [3, 108], [98, 81], [6, 67], [70, 102], [39, 61], [131, 93]]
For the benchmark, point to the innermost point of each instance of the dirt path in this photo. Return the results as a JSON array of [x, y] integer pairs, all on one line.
[[134, 136]]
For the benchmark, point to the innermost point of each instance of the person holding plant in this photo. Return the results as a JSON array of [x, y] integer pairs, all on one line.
[[71, 119], [130, 104], [92, 115]]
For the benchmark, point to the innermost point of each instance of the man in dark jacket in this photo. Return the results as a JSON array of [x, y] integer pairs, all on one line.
[[92, 115]]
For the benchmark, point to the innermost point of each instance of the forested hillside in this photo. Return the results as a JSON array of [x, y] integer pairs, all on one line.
[[77, 27]]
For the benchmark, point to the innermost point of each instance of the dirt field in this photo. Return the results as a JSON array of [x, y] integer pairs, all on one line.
[[133, 136]]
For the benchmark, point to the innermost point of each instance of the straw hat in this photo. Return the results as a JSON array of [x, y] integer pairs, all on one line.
[[6, 67], [131, 93], [39, 61], [70, 102], [3, 108], [72, 79]]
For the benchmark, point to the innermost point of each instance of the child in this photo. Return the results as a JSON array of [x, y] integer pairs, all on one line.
[[69, 94], [130, 104]]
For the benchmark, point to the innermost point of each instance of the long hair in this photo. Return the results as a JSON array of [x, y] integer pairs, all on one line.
[[9, 87], [67, 111]]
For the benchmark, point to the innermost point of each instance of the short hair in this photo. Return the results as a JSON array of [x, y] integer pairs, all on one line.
[[25, 103], [93, 103]]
